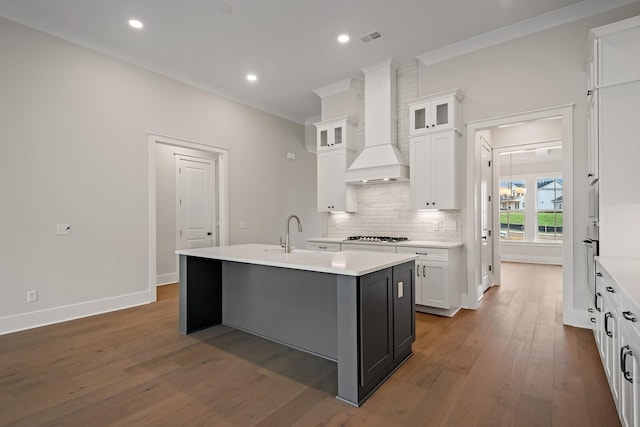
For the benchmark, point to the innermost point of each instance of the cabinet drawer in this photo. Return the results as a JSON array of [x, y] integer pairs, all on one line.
[[608, 286], [328, 247], [368, 248], [426, 254], [629, 311]]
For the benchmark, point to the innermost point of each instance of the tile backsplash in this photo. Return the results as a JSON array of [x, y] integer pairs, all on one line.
[[385, 210]]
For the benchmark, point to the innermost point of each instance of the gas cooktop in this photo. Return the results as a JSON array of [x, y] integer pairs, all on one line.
[[385, 239]]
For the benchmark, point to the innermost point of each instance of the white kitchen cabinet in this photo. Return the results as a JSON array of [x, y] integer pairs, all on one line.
[[336, 133], [435, 113], [617, 334], [437, 279], [334, 195], [435, 171], [613, 91], [629, 374], [368, 247]]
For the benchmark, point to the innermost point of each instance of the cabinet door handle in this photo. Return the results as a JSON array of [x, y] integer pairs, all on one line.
[[589, 92], [629, 316], [589, 175], [599, 274], [598, 294], [607, 316], [418, 270], [610, 289], [624, 352], [424, 274], [593, 320], [590, 310]]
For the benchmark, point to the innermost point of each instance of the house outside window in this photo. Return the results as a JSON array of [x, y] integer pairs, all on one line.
[[531, 215]]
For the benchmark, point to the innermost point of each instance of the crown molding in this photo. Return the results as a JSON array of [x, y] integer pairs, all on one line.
[[556, 18]]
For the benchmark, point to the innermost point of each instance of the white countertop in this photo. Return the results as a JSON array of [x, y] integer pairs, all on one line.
[[411, 243], [626, 272], [348, 263]]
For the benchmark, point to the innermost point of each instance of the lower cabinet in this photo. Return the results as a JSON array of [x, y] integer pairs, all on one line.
[[629, 374], [437, 278], [387, 323], [617, 337]]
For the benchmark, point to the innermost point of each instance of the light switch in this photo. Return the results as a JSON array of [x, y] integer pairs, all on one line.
[[400, 289], [62, 229]]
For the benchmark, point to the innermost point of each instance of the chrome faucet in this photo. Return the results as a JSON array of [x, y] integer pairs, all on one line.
[[287, 246]]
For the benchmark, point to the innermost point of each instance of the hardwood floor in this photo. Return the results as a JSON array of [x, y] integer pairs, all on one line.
[[511, 362]]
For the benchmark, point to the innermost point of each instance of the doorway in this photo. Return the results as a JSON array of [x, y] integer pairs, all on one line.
[[217, 191], [474, 220]]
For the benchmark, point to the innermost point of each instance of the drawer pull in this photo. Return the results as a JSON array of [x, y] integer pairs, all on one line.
[[595, 300], [593, 320], [610, 289], [599, 274], [607, 316], [322, 247], [624, 352], [629, 316], [590, 310]]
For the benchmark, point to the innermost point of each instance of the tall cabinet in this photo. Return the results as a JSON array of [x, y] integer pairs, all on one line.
[[613, 76], [336, 151], [435, 146]]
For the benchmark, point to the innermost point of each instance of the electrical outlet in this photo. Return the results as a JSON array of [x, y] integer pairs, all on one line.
[[32, 296], [243, 224], [449, 226], [62, 229]]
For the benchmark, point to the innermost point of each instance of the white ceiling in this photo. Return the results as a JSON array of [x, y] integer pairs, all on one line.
[[290, 44]]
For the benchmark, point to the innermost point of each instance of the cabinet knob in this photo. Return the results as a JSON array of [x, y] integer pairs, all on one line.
[[629, 316], [589, 175], [427, 203], [610, 290]]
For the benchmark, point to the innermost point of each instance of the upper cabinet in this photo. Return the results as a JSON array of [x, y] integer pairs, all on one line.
[[336, 133], [435, 113]]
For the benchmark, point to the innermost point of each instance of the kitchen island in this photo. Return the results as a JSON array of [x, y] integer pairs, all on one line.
[[353, 308]]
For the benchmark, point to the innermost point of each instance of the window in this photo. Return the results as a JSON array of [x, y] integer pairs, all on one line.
[[549, 209], [512, 209]]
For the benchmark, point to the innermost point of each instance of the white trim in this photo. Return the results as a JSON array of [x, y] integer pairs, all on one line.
[[530, 259], [571, 315], [333, 88], [223, 192], [166, 279], [34, 319], [539, 23]]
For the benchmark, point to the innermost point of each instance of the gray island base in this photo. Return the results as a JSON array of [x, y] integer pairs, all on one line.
[[353, 308]]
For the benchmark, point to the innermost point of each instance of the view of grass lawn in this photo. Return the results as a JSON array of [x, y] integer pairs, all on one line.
[[549, 219]]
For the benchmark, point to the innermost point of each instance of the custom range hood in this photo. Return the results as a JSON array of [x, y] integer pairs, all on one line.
[[380, 160]]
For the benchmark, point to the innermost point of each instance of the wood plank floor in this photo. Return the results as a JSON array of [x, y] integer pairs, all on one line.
[[509, 363]]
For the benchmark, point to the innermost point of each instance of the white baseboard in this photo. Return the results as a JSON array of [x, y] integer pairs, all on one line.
[[34, 319], [578, 318], [165, 279]]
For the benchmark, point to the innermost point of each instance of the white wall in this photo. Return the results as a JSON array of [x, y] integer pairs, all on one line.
[[73, 129], [541, 70]]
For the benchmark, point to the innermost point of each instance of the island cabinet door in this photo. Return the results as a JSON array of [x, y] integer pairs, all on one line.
[[404, 320], [376, 328]]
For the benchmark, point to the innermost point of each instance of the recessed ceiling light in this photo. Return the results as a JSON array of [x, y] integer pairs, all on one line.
[[135, 23], [343, 38], [252, 77]]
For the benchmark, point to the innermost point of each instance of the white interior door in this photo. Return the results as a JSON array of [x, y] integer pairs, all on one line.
[[194, 203], [486, 218]]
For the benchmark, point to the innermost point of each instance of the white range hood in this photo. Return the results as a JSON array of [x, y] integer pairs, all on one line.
[[380, 160]]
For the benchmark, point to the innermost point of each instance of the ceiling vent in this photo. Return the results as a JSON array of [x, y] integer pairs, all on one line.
[[370, 36]]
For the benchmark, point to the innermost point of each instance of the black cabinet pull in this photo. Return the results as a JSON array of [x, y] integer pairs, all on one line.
[[589, 92], [607, 316], [424, 274], [598, 294], [624, 352], [599, 274], [590, 310], [610, 289], [589, 175], [593, 320], [629, 316]]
